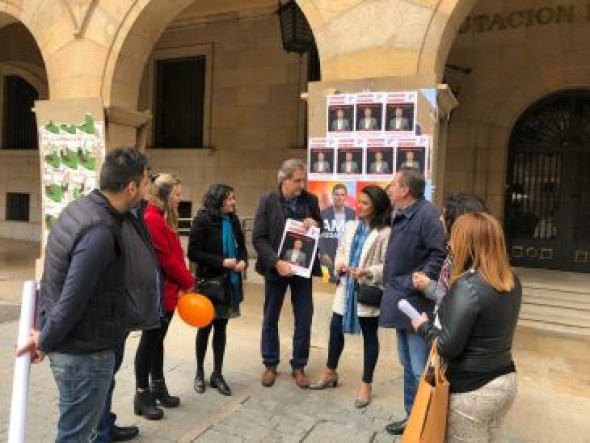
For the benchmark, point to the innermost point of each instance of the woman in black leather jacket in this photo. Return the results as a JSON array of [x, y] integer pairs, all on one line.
[[478, 319]]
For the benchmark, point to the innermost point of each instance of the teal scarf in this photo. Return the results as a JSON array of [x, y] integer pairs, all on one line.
[[350, 320], [230, 250]]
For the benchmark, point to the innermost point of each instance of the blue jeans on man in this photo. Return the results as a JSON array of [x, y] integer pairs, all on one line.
[[107, 419], [83, 382], [413, 352], [301, 298]]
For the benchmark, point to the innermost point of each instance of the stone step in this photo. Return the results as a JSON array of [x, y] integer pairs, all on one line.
[[542, 291], [543, 325], [551, 315], [556, 301]]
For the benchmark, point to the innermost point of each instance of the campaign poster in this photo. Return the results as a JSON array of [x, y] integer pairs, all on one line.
[[410, 155], [299, 246], [340, 118], [378, 158], [350, 158], [400, 113], [337, 205], [321, 158], [369, 112]]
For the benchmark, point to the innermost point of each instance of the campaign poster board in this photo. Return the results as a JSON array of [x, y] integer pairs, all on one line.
[[369, 112], [321, 158], [71, 147], [350, 158], [379, 158], [299, 247], [400, 113]]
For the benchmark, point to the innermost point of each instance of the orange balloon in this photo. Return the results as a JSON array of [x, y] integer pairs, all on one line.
[[196, 309]]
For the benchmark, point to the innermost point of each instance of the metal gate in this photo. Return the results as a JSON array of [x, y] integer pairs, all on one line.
[[547, 214]]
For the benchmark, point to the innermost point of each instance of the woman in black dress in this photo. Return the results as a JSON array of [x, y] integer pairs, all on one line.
[[216, 245]]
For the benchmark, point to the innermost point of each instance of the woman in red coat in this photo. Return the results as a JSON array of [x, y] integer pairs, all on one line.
[[161, 219]]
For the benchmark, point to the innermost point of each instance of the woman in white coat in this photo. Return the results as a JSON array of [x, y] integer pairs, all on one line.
[[359, 261]]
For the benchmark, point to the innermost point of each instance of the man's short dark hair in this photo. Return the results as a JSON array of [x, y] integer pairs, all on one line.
[[339, 186], [414, 180], [122, 166]]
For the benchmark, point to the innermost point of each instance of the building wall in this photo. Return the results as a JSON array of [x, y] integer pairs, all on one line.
[[518, 51], [254, 113]]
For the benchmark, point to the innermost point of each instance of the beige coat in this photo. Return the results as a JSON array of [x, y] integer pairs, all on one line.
[[372, 258]]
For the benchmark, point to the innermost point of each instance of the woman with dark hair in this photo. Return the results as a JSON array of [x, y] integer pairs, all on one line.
[[478, 320], [216, 245], [161, 219], [455, 206], [359, 260]]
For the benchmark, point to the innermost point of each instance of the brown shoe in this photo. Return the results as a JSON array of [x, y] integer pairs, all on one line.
[[329, 379], [301, 378], [269, 376]]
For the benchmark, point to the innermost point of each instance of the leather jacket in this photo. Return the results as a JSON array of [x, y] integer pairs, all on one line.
[[477, 325]]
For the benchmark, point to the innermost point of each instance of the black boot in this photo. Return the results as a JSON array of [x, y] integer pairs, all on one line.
[[200, 382], [218, 382], [144, 404], [161, 395]]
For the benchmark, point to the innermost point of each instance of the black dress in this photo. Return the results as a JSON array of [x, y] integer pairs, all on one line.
[[205, 249]]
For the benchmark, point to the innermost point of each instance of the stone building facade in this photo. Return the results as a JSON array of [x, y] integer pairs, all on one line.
[[499, 57]]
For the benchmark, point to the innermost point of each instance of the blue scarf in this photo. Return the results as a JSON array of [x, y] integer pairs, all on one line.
[[230, 251], [350, 320]]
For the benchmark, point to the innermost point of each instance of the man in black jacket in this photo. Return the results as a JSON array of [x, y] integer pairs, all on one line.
[[290, 200], [144, 297], [82, 294]]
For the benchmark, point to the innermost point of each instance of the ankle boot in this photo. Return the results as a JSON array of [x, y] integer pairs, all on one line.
[[218, 382], [144, 404], [161, 395]]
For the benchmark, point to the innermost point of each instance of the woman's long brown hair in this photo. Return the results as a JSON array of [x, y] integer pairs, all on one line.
[[160, 190], [477, 242]]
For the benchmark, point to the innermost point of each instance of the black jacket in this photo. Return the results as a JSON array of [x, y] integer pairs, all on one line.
[[205, 244], [143, 277], [82, 290], [478, 325], [269, 224]]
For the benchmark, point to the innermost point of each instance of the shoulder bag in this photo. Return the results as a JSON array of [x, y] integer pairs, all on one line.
[[214, 288]]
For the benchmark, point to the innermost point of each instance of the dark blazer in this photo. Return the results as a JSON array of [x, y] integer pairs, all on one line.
[[329, 213], [205, 244], [417, 243], [269, 224]]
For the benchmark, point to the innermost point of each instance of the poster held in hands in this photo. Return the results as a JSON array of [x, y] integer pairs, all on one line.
[[299, 247]]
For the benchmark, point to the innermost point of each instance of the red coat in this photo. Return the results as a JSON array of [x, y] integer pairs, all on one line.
[[170, 255]]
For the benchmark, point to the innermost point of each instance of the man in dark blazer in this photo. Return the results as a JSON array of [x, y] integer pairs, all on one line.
[[335, 218], [417, 243], [290, 200]]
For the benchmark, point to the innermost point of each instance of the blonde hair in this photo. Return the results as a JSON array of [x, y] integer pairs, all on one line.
[[160, 190], [477, 242]]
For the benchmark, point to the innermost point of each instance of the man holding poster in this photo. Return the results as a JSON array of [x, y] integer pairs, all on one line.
[[289, 201]]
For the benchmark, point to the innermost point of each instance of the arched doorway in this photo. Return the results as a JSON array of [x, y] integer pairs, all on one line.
[[548, 185]]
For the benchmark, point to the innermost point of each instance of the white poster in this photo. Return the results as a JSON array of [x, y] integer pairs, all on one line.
[[299, 247]]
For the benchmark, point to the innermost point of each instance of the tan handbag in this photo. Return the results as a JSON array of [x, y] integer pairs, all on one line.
[[428, 419]]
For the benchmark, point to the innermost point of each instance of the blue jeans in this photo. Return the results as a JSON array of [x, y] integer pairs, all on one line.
[[413, 352], [108, 419], [301, 298], [83, 382]]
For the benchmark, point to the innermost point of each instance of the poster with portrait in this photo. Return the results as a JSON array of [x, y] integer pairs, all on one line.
[[400, 113], [410, 155], [369, 112], [337, 206], [350, 158], [378, 158], [340, 117], [299, 247], [321, 158]]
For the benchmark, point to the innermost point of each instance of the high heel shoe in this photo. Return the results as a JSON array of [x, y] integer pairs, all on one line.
[[329, 380], [199, 384], [363, 401]]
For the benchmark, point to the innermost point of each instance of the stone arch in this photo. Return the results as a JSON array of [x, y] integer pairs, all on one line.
[[440, 36], [33, 74]]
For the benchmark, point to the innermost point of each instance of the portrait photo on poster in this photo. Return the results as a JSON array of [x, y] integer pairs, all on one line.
[[321, 161], [411, 157], [369, 116], [350, 161], [299, 246], [379, 161], [340, 118], [399, 117]]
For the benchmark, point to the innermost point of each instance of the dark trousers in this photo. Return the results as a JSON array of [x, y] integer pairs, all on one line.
[[108, 418], [149, 358], [369, 327], [301, 298]]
